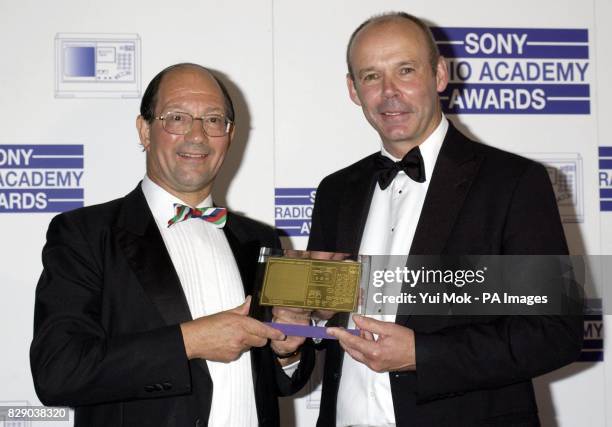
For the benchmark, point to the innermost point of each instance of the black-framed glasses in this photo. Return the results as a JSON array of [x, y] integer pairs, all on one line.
[[179, 123]]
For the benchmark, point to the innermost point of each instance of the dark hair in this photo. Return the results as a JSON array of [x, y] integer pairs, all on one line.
[[149, 99], [434, 52]]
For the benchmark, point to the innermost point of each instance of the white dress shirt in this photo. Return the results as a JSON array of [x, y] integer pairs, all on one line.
[[364, 396], [211, 281]]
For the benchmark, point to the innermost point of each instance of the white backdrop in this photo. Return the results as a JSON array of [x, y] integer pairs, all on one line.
[[284, 62]]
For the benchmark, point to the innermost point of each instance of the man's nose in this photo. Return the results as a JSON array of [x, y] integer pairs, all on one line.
[[196, 133], [389, 87]]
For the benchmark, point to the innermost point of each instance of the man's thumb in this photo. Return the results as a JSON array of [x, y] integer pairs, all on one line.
[[243, 309]]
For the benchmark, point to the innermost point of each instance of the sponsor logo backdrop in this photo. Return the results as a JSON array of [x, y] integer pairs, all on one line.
[[528, 77]]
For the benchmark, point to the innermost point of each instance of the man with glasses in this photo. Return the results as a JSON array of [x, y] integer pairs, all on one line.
[[141, 317]]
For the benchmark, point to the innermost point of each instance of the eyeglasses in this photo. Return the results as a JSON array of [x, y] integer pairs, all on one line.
[[179, 123]]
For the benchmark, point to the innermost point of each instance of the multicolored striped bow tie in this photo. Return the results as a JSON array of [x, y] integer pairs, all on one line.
[[214, 216]]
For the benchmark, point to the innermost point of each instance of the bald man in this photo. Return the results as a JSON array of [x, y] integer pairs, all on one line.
[[428, 191]]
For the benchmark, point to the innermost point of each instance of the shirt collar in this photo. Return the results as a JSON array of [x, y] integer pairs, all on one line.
[[162, 203], [430, 148]]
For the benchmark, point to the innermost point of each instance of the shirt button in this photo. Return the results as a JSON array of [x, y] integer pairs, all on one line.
[[400, 191]]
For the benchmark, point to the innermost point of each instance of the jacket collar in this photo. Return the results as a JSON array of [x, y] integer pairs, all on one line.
[[455, 169]]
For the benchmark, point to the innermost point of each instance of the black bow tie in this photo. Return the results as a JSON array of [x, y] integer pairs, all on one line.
[[412, 164]]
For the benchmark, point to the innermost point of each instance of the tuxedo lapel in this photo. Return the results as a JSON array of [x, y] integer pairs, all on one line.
[[239, 249], [352, 216], [148, 257], [454, 172], [245, 248], [354, 206]]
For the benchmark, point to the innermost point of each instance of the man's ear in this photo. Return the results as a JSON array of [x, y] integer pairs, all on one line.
[[231, 133], [144, 132], [441, 74], [350, 83]]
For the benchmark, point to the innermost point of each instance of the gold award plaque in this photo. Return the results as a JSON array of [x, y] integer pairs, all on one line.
[[311, 284]]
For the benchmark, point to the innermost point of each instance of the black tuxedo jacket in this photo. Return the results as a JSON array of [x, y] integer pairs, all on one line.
[[469, 371], [109, 303]]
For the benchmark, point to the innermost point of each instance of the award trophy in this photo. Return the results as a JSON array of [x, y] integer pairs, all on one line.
[[312, 281]]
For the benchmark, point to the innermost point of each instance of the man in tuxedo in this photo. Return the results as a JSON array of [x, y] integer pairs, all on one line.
[[141, 317], [431, 190]]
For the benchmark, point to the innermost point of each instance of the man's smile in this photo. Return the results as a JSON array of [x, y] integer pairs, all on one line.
[[193, 155]]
